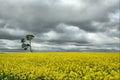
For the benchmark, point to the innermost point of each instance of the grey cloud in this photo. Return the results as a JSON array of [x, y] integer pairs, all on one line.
[[10, 50], [65, 33], [9, 45], [71, 47], [6, 32], [56, 10], [68, 33], [89, 22]]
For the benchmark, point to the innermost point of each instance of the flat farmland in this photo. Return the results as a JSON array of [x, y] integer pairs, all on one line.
[[60, 66]]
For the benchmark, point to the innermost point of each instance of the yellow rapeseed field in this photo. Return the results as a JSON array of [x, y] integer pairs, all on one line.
[[60, 66]]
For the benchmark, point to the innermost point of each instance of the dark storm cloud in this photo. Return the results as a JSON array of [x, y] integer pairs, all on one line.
[[61, 22], [35, 14], [4, 35], [9, 32]]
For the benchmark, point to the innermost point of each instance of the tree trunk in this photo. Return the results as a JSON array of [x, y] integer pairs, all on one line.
[[30, 46]]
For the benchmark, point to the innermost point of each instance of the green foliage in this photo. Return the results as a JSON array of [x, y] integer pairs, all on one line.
[[25, 48], [23, 45], [29, 37], [22, 40], [28, 45]]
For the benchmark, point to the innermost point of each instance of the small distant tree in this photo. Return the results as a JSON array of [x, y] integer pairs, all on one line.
[[26, 42]]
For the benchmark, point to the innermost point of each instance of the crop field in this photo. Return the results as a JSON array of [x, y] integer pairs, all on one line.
[[60, 66]]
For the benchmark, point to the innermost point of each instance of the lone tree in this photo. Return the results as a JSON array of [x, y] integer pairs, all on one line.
[[26, 42]]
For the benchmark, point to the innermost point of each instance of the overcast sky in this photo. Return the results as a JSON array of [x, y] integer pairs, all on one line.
[[60, 25]]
